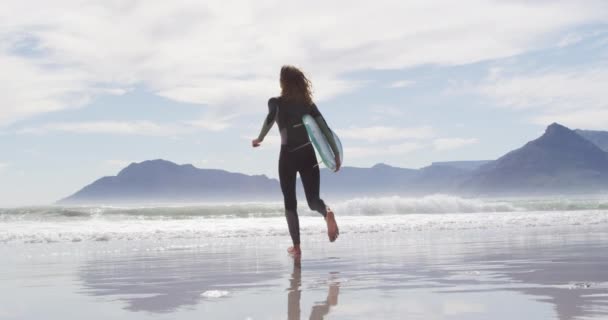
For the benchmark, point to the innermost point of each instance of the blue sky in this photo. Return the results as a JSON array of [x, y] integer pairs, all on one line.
[[88, 87]]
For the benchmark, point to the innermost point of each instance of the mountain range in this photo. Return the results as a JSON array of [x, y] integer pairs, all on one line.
[[162, 181], [561, 161]]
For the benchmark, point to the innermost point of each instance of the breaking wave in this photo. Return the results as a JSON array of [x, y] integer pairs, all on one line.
[[427, 204], [360, 215], [395, 205]]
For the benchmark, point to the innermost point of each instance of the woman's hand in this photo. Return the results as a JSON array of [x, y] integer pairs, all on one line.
[[256, 143], [338, 163]]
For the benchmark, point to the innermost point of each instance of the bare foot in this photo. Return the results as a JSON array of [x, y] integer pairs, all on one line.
[[295, 251], [332, 226]]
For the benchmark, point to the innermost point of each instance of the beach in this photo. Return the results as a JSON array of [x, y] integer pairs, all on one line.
[[396, 258]]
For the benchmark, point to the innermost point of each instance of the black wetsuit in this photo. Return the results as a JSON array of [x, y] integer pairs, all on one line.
[[297, 155]]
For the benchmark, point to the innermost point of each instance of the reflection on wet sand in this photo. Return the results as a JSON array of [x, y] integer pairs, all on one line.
[[573, 279], [319, 311], [162, 283], [569, 278]]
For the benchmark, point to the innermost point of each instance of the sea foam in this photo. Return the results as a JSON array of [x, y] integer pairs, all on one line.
[[361, 215]]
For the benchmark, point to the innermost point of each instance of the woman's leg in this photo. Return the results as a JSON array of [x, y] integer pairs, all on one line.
[[311, 179], [287, 178]]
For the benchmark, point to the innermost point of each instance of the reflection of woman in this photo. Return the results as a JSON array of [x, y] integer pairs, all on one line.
[[297, 153], [294, 292], [293, 297]]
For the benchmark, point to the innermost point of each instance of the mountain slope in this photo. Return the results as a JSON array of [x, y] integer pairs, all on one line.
[[379, 179], [559, 161], [382, 179], [599, 138], [465, 165], [164, 181]]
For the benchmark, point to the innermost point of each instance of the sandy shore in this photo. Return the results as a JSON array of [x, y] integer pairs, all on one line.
[[534, 273]]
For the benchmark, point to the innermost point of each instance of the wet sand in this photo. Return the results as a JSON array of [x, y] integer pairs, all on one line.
[[535, 273]]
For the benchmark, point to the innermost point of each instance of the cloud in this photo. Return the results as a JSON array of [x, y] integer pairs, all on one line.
[[29, 88], [3, 166], [210, 122], [144, 128], [573, 38], [442, 144], [213, 122], [210, 125], [574, 97], [567, 89], [379, 151], [386, 110], [385, 133], [226, 54], [402, 84], [383, 112]]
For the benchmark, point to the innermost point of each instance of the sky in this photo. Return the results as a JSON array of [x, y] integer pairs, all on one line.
[[91, 86]]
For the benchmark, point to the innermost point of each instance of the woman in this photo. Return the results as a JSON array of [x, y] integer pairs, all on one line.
[[297, 153]]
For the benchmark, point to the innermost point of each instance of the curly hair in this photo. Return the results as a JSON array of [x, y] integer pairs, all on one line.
[[295, 87]]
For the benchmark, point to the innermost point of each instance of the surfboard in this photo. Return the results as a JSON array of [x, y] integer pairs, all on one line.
[[321, 144]]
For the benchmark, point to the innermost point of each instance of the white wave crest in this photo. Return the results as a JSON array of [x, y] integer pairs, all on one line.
[[426, 204], [212, 230], [214, 294]]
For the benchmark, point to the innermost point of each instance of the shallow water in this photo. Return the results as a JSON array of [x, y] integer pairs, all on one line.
[[545, 270]]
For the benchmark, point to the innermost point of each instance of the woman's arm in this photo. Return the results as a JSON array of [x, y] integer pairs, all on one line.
[[268, 122]]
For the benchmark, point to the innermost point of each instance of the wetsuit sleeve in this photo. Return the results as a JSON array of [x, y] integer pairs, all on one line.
[[325, 129], [270, 118]]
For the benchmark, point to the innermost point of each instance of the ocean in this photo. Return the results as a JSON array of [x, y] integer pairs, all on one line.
[[433, 257]]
